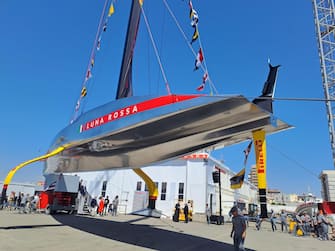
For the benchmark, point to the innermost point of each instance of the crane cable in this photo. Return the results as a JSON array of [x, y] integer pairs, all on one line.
[[156, 51]]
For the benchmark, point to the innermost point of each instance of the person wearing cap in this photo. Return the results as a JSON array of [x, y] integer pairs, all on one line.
[[238, 231]]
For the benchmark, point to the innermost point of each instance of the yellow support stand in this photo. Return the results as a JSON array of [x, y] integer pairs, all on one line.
[[153, 190], [18, 167], [260, 151]]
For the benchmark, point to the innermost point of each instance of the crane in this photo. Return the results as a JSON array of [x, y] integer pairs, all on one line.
[[324, 17]]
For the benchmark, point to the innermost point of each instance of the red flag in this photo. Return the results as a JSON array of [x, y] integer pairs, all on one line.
[[198, 60], [201, 87], [204, 78], [88, 74]]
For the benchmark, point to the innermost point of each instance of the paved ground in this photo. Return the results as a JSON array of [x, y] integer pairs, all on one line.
[[127, 232]]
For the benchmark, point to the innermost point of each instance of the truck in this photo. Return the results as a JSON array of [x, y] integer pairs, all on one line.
[[60, 194]]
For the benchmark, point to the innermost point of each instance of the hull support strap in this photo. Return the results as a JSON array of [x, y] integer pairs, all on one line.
[[153, 190], [18, 167]]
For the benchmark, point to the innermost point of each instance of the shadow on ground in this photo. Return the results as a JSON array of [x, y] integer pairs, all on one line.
[[30, 226], [142, 235]]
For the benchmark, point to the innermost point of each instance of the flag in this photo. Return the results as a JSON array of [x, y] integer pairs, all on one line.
[[77, 105], [195, 19], [246, 153], [191, 8], [51, 187], [204, 79], [198, 60], [92, 62], [83, 92], [99, 44], [193, 15], [195, 34], [201, 87], [236, 181], [104, 28], [111, 10], [141, 2], [88, 74]]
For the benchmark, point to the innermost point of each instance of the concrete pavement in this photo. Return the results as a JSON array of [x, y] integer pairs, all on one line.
[[128, 232]]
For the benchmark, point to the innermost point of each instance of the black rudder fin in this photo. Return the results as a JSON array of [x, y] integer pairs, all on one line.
[[264, 100]]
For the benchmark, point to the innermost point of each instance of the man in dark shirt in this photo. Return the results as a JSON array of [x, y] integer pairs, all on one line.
[[238, 231], [186, 212]]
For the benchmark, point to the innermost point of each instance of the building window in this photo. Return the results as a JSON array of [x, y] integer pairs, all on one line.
[[139, 186], [104, 188], [163, 191], [181, 191]]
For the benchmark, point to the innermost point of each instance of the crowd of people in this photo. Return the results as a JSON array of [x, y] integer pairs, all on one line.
[[303, 224], [96, 205], [102, 206], [24, 203]]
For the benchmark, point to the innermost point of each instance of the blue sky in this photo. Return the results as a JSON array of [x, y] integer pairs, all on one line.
[[45, 48]]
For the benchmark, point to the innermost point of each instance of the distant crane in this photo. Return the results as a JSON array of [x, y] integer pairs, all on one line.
[[324, 17]]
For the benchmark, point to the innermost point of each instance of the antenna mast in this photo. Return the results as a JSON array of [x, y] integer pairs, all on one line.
[[324, 17]]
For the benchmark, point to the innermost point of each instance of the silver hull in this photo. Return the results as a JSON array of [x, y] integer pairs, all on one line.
[[203, 122]]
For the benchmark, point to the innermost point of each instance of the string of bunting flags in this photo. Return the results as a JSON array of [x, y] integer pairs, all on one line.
[[200, 55], [106, 14]]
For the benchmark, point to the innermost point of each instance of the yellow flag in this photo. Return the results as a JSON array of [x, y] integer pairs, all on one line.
[[141, 2], [83, 92], [111, 10], [236, 181]]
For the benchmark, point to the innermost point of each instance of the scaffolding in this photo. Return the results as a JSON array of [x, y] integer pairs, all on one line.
[[324, 17]]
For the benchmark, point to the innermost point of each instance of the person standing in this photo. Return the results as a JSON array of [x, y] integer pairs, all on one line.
[[306, 221], [208, 214], [106, 203], [176, 212], [283, 220], [273, 220], [93, 205], [18, 202], [101, 206], [186, 212], [115, 204], [238, 231], [324, 226]]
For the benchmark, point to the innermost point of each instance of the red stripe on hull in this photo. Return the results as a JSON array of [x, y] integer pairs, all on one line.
[[136, 108]]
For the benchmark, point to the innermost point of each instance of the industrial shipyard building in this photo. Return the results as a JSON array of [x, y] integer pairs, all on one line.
[[187, 180]]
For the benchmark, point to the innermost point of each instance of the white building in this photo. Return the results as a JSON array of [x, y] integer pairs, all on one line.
[[185, 179], [327, 178], [26, 188]]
